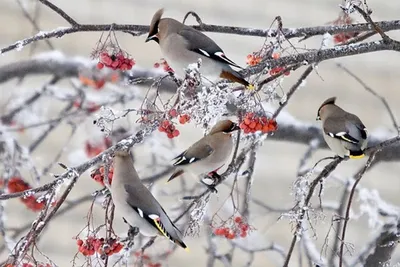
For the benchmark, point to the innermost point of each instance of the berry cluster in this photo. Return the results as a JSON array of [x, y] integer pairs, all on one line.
[[253, 59], [98, 175], [342, 37], [16, 184], [89, 106], [104, 247], [238, 229], [146, 259], [278, 70], [167, 127], [253, 123], [164, 65], [93, 150], [95, 83], [115, 61], [184, 118]]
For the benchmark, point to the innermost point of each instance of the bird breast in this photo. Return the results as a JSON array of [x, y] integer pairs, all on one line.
[[222, 150]]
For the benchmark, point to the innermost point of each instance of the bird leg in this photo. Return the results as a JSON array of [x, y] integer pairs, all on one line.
[[215, 177]]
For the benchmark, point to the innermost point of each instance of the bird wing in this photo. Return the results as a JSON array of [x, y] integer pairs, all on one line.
[[350, 129], [152, 212], [196, 152], [205, 46]]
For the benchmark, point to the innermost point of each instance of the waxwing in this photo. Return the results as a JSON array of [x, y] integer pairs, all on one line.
[[344, 132], [209, 153], [137, 205], [182, 45]]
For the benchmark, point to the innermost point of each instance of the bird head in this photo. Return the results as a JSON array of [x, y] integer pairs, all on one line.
[[329, 101], [225, 126], [154, 31]]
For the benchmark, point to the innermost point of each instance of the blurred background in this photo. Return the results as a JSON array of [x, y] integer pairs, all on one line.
[[277, 162]]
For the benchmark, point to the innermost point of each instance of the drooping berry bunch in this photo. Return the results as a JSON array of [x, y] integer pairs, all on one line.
[[115, 61], [278, 69], [146, 259], [97, 84], [237, 228], [253, 123], [169, 128], [16, 184], [100, 245], [253, 59], [98, 175], [164, 65], [342, 37], [93, 149], [89, 106]]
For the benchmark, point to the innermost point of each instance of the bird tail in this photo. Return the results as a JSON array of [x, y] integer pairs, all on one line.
[[356, 154], [235, 76], [176, 173], [182, 245]]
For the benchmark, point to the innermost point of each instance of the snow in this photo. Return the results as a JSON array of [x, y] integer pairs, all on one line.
[[20, 45]]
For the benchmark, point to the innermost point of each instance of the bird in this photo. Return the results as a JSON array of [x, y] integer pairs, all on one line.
[[182, 45], [344, 132], [136, 203], [209, 154]]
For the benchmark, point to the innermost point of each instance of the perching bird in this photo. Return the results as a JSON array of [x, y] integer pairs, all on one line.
[[137, 205], [182, 45], [344, 132], [209, 153]]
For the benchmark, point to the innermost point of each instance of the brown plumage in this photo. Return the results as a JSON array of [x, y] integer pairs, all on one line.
[[344, 132], [182, 45], [209, 153]]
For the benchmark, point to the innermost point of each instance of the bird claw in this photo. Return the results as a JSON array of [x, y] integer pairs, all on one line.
[[210, 187], [133, 231]]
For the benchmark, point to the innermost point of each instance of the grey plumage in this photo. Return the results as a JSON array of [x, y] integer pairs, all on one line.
[[182, 45], [344, 132], [209, 153], [136, 204]]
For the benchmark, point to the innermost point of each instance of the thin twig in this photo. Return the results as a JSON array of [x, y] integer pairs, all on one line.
[[60, 12], [347, 215]]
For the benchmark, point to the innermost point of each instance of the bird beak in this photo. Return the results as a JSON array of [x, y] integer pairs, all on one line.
[[235, 127]]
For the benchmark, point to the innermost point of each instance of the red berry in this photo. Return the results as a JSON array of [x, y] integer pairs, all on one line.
[[173, 113], [79, 242], [100, 65], [165, 124], [175, 133], [238, 219], [170, 135]]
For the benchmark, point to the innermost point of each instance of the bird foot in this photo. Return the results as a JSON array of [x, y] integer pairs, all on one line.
[[211, 187], [132, 232]]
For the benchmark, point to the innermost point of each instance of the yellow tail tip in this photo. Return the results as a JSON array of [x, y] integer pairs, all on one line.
[[250, 86], [357, 157], [187, 249]]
